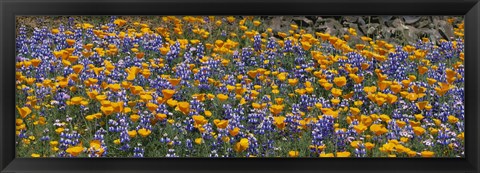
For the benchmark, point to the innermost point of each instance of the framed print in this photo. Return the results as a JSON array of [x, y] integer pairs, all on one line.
[[153, 86]]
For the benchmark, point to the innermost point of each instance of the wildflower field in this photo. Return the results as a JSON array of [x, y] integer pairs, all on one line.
[[230, 86]]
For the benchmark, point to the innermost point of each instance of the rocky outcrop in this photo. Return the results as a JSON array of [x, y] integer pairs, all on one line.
[[398, 29]]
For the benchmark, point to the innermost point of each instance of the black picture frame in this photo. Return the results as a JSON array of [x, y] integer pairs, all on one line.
[[11, 8]]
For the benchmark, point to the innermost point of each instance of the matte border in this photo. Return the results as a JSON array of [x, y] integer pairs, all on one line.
[[10, 8]]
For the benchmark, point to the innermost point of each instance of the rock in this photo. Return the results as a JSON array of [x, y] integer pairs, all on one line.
[[397, 23], [411, 19], [371, 30], [361, 21], [385, 19], [423, 23], [303, 22], [395, 29], [351, 18], [276, 24]]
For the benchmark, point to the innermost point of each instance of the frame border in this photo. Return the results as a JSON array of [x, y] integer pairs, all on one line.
[[10, 8]]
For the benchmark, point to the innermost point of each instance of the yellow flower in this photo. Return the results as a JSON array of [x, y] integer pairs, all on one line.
[[306, 45], [452, 119], [207, 113], [18, 122], [369, 145], [382, 85], [222, 97], [31, 138], [412, 96], [256, 106], [330, 112], [199, 120], [24, 111], [282, 76], [293, 153], [120, 22], [431, 81], [132, 72], [450, 75], [327, 86], [294, 27], [34, 155], [70, 42], [171, 102], [59, 130], [55, 31], [96, 145], [358, 103], [335, 101], [275, 91], [194, 41], [336, 92], [415, 123], [107, 110], [422, 70], [323, 154], [152, 106], [219, 43], [100, 97], [340, 81], [132, 133], [231, 19], [234, 131], [161, 116], [371, 89], [279, 122], [146, 97], [444, 87], [427, 154], [411, 153], [174, 82], [167, 93], [360, 128], [164, 50], [198, 141], [242, 145], [366, 120], [116, 141], [395, 88], [144, 132], [378, 129], [343, 154], [276, 109], [76, 100], [388, 147], [220, 123], [293, 82], [230, 87], [114, 87], [385, 118], [404, 139], [77, 68], [74, 151], [391, 98], [461, 136], [354, 111], [421, 105], [418, 131], [357, 79], [433, 130], [134, 117], [184, 107], [355, 144]]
